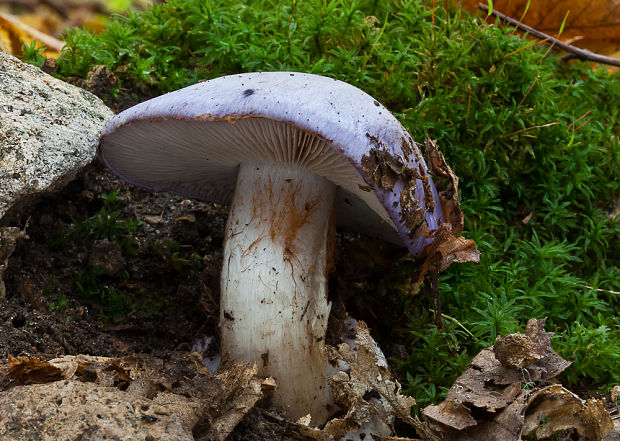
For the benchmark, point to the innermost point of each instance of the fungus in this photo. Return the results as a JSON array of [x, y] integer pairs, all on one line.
[[295, 155]]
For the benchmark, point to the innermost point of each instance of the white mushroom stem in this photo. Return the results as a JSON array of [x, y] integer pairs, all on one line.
[[274, 306]]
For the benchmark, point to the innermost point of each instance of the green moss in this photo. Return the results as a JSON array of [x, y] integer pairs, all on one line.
[[531, 137]]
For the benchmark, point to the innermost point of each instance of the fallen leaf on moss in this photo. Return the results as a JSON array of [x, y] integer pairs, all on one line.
[[516, 350], [446, 247], [520, 351], [445, 250], [553, 408], [589, 19], [502, 395]]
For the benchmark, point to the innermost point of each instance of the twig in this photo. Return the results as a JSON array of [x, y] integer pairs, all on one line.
[[529, 89], [601, 290], [578, 119], [535, 43], [583, 124], [576, 52], [468, 104], [431, 287], [530, 128]]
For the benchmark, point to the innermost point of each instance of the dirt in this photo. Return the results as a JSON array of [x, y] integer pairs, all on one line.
[[165, 287]]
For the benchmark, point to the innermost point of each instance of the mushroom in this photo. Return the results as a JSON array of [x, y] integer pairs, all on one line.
[[295, 155]]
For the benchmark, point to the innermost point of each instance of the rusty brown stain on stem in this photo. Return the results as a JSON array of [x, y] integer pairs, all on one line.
[[286, 217]]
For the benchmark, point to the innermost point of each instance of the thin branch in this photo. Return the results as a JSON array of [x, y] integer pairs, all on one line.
[[534, 43], [530, 128], [529, 89], [596, 289], [468, 104], [602, 290], [431, 289], [581, 54], [571, 125], [583, 124]]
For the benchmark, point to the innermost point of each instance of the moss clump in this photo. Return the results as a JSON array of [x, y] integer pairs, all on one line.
[[534, 140]]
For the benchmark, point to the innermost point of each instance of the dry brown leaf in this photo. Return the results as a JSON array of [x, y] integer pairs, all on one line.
[[83, 367], [489, 402], [516, 351], [553, 408], [54, 17], [447, 184], [370, 397], [550, 364], [14, 34], [451, 414], [32, 370], [485, 386], [592, 19], [591, 24], [445, 250]]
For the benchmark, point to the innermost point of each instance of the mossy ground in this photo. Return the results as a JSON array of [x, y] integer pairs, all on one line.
[[534, 140]]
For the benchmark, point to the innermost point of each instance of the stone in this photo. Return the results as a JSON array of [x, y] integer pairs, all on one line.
[[49, 130], [135, 397], [69, 410]]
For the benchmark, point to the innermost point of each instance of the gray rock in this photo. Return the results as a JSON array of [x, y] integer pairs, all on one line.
[[49, 130], [71, 410]]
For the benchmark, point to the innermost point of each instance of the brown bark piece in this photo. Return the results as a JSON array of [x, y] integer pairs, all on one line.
[[451, 414]]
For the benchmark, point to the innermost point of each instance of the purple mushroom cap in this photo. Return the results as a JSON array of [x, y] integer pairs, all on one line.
[[192, 141]]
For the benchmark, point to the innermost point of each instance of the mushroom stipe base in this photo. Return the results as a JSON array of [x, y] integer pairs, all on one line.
[[274, 307]]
